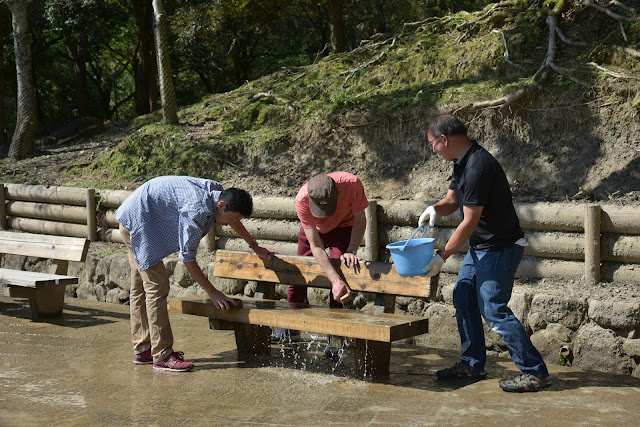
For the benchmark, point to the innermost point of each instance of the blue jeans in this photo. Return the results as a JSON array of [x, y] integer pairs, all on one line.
[[483, 289]]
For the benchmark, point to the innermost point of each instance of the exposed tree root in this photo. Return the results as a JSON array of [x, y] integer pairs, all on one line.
[[549, 65], [353, 71], [609, 73]]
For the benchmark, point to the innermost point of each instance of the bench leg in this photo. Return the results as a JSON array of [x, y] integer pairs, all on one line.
[[220, 325], [252, 340], [371, 358], [44, 302]]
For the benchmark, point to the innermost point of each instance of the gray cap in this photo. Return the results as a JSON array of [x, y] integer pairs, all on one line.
[[323, 196]]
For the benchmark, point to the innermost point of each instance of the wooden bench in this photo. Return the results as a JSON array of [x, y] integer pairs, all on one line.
[[44, 290], [371, 332]]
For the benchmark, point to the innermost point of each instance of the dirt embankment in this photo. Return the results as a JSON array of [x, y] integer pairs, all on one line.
[[574, 148]]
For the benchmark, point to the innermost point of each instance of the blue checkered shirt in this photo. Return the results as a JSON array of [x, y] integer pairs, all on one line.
[[169, 214]]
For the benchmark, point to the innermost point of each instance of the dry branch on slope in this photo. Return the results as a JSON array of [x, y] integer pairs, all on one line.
[[549, 65]]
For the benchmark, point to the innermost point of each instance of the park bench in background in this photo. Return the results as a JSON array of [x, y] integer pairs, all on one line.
[[371, 332], [44, 290]]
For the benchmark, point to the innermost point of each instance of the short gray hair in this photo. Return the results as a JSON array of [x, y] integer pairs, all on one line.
[[446, 124]]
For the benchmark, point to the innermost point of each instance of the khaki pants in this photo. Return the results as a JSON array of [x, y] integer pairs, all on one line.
[[150, 327]]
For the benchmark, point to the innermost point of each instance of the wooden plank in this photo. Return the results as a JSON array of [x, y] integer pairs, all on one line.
[[43, 246], [32, 279], [383, 327], [370, 276]]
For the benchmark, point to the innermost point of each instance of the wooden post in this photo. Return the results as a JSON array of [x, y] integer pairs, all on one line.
[[371, 233], [592, 222], [3, 208], [92, 220]]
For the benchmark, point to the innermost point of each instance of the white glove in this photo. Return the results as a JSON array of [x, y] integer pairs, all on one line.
[[434, 266], [430, 213]]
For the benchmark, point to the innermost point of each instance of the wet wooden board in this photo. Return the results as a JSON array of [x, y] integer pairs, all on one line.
[[369, 276], [385, 327]]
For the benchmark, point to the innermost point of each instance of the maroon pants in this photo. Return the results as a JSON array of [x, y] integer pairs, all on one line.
[[337, 240]]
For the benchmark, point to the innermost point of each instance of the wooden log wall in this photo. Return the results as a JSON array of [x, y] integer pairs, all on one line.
[[598, 242]]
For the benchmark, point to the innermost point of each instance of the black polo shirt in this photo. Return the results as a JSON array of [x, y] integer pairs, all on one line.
[[478, 180]]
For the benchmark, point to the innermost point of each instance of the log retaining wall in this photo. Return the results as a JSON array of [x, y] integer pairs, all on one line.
[[594, 242]]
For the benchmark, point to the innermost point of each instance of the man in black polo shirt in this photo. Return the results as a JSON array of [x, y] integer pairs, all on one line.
[[480, 189]]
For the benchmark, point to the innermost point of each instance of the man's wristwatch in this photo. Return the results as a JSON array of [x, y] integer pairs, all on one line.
[[352, 251]]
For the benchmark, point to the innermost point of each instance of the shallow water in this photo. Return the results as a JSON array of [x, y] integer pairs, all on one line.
[[78, 371]]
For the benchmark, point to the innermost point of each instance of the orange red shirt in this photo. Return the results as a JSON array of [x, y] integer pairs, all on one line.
[[351, 199]]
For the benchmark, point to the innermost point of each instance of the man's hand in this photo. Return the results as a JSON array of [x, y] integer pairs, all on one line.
[[265, 252], [430, 213], [434, 266], [224, 302], [350, 259], [339, 288]]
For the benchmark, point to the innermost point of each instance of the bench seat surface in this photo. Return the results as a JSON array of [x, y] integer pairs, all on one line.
[[32, 279], [385, 327]]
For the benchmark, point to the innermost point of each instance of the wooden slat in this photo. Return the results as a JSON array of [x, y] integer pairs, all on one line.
[[42, 246], [383, 327], [32, 279], [371, 276]]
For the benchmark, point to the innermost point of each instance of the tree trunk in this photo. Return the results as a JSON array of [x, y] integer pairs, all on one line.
[[23, 137], [144, 64], [167, 93], [381, 23], [78, 53], [336, 25], [4, 17]]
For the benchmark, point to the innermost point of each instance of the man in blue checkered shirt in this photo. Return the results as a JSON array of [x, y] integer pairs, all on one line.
[[165, 215]]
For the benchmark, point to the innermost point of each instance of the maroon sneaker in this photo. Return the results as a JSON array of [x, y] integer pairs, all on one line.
[[143, 358], [175, 362]]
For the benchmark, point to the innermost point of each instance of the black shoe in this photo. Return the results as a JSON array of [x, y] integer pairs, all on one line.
[[460, 371], [331, 352]]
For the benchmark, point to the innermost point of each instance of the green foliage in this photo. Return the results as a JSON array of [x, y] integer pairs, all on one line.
[[158, 149], [224, 53]]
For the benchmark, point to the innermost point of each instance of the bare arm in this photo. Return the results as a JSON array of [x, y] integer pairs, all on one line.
[[339, 287], [218, 298], [357, 233], [239, 228], [447, 205], [463, 231]]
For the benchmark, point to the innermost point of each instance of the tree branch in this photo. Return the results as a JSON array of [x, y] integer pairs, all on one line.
[[609, 73], [353, 71], [628, 50], [622, 6], [506, 50], [565, 40], [612, 14]]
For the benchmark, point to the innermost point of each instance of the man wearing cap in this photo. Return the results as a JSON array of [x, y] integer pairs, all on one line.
[[331, 210]]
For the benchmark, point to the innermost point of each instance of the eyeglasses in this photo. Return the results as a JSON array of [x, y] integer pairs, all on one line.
[[434, 141]]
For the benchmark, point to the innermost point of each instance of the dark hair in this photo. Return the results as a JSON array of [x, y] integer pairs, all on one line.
[[446, 124], [237, 200]]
